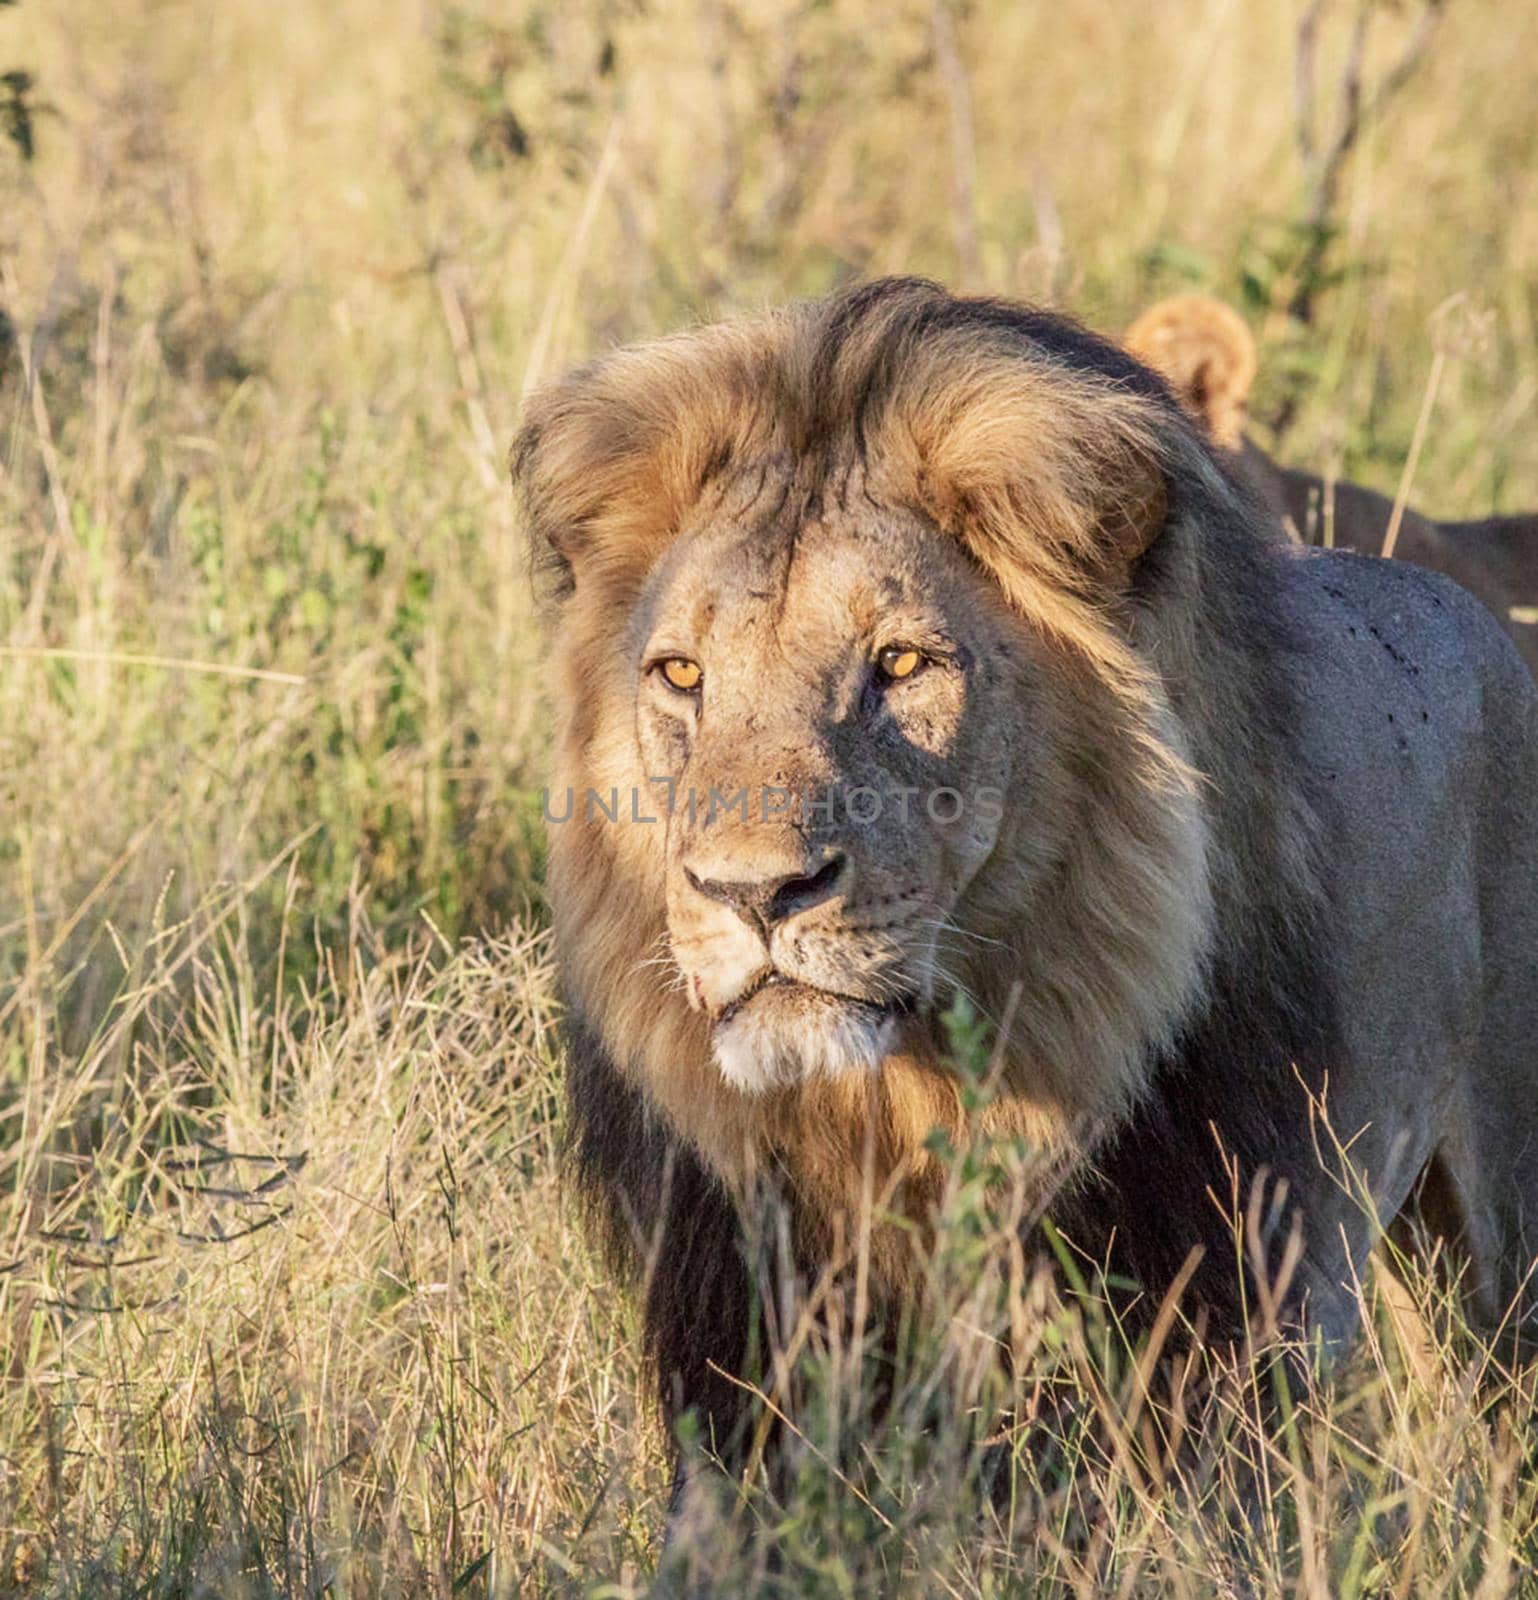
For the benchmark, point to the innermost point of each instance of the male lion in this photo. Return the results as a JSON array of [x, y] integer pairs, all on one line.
[[1206, 353], [1242, 828]]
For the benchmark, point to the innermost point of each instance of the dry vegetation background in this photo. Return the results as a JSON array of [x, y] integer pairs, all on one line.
[[290, 1299]]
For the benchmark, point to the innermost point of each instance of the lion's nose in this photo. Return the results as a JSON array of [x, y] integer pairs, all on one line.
[[772, 899]]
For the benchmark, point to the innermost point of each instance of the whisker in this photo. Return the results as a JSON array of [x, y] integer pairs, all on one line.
[[950, 980], [667, 961], [945, 925]]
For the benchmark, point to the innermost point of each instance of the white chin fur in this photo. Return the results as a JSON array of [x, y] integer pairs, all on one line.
[[756, 1052]]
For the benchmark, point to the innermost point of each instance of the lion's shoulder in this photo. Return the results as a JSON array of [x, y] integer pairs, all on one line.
[[1425, 627], [1409, 695]]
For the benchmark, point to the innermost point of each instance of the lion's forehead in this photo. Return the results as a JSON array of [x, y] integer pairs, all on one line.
[[816, 581]]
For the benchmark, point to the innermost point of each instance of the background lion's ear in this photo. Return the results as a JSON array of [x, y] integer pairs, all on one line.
[[1206, 353]]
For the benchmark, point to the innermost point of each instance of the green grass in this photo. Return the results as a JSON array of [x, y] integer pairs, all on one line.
[[291, 1299]]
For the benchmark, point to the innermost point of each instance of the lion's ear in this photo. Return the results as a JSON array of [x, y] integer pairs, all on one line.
[[1134, 517], [1049, 476], [597, 493], [1206, 353], [612, 457]]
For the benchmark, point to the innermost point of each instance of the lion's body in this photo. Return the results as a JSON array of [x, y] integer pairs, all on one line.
[[1417, 727], [1207, 354], [1420, 722], [1267, 846]]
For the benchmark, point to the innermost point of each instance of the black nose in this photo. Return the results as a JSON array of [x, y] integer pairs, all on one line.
[[766, 901]]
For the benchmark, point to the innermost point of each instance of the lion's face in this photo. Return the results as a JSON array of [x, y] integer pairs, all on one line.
[[867, 584], [826, 693]]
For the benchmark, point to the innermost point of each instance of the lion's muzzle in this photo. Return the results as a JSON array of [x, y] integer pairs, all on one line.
[[765, 899], [775, 949]]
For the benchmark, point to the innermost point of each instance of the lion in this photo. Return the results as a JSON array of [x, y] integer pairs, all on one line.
[[1235, 834], [1206, 352]]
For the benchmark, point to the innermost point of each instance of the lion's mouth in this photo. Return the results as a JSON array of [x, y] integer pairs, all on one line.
[[896, 1005]]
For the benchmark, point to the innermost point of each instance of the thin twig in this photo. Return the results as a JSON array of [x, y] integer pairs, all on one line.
[[1325, 179], [571, 259], [1356, 110], [1303, 80], [1407, 477], [32, 382], [1411, 57], [130, 658], [779, 1415], [34, 969], [963, 144], [470, 384]]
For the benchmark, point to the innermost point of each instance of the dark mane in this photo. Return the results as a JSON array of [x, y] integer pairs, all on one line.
[[907, 312], [667, 1227]]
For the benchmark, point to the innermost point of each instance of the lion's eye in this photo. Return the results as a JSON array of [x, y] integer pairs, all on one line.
[[898, 662], [682, 674]]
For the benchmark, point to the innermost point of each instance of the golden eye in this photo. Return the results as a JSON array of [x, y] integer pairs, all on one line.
[[901, 661], [681, 673]]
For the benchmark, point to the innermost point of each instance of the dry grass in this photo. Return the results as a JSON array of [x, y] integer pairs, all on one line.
[[290, 1300]]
